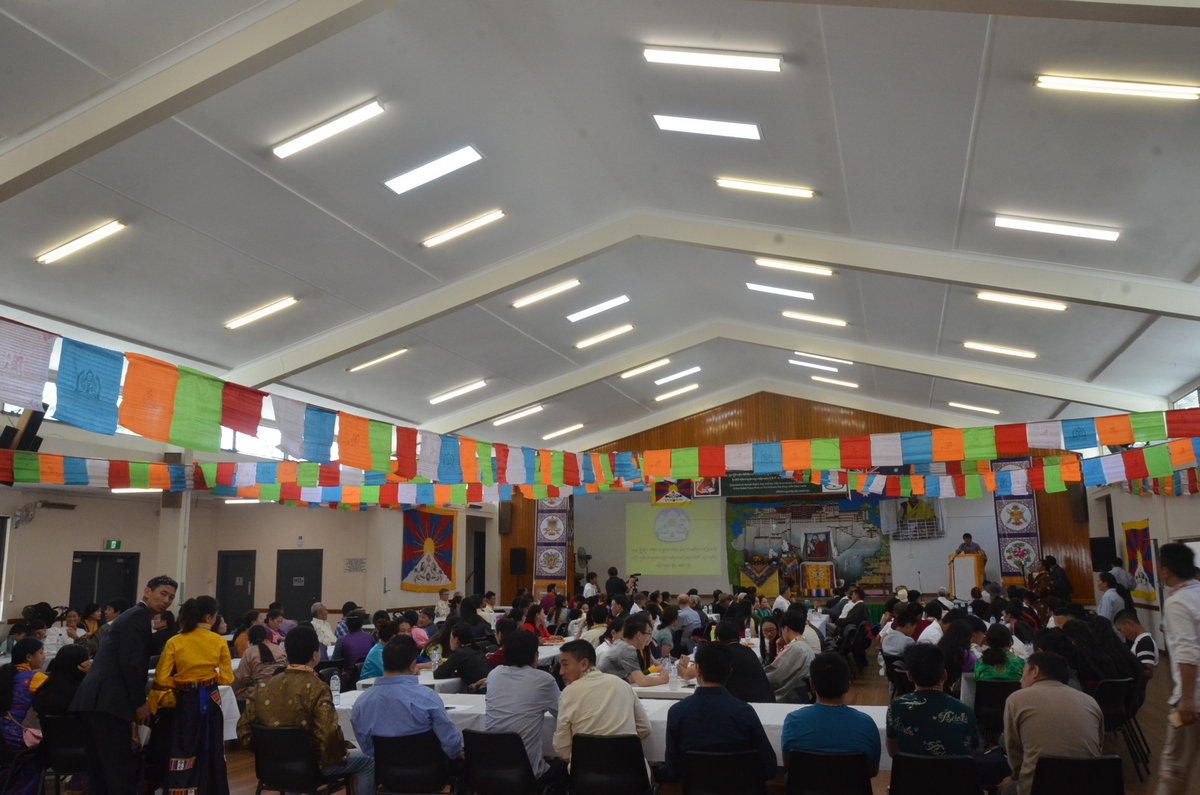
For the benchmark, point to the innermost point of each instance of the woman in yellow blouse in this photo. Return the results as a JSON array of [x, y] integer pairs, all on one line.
[[192, 665]]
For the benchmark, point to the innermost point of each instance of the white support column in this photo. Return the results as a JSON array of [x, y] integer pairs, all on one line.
[[174, 520]]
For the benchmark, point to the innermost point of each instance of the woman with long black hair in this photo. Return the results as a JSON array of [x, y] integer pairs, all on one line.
[[19, 680], [187, 667], [262, 660]]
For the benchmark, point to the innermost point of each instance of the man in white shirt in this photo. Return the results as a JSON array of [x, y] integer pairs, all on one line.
[[900, 637], [1181, 750], [944, 598], [441, 608], [487, 608], [1111, 602], [594, 702], [590, 589], [320, 621], [1124, 576], [784, 600], [518, 696], [791, 665], [639, 602]]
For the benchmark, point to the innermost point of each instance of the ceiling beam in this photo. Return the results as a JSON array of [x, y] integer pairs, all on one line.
[[1179, 13], [140, 102]]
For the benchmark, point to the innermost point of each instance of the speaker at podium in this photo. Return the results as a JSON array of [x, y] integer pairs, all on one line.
[[966, 572]]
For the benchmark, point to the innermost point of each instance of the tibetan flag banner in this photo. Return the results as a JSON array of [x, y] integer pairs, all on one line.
[[318, 433], [241, 408], [89, 383], [427, 559], [148, 399], [196, 419], [289, 419], [406, 452], [24, 364]]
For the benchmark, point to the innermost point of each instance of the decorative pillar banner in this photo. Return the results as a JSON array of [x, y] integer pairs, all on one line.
[[550, 552], [1016, 527]]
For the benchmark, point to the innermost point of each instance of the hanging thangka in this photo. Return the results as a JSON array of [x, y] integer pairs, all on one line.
[[550, 544], [1016, 525]]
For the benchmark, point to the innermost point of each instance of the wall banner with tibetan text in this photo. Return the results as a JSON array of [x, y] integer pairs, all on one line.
[[1016, 527]]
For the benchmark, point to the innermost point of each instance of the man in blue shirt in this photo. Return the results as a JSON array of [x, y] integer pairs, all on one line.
[[688, 619], [713, 720], [373, 662], [829, 726], [928, 722], [397, 705]]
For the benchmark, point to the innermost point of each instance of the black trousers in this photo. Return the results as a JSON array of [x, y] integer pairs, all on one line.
[[112, 765]]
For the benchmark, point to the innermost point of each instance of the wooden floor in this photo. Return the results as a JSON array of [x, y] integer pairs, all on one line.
[[871, 689]]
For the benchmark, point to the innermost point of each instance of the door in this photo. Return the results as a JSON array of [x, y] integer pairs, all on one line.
[[235, 583], [101, 577], [476, 555], [298, 581]]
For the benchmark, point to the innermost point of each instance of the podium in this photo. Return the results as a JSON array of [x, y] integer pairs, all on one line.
[[966, 572]]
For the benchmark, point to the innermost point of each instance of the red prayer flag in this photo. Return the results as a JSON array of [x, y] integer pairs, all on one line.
[[290, 491], [118, 474], [960, 485], [1037, 478], [389, 494], [406, 452], [474, 492], [712, 461], [329, 475], [570, 470], [501, 462], [6, 466], [1183, 423], [1135, 464], [856, 452], [241, 408], [954, 468], [893, 485], [225, 473], [1011, 440]]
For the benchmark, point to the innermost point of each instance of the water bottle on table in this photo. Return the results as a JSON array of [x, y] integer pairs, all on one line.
[[335, 687]]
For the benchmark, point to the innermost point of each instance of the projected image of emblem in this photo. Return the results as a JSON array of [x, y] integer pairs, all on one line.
[[672, 525]]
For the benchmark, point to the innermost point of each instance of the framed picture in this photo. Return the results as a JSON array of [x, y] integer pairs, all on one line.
[[707, 487]]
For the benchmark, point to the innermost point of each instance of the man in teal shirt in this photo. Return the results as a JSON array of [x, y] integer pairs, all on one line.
[[928, 722], [829, 726]]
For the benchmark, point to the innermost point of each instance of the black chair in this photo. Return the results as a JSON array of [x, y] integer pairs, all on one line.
[[1136, 698], [1113, 696], [604, 765], [284, 762], [945, 775], [1100, 775], [862, 642], [707, 773], [897, 675], [990, 696], [497, 763], [62, 747], [412, 764], [811, 773], [327, 674], [322, 666], [847, 648], [12, 760]]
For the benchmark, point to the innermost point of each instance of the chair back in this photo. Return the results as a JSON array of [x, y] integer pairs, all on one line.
[[415, 763], [945, 775], [709, 773], [283, 760], [1113, 697], [812, 773], [327, 674], [990, 696], [849, 635], [1100, 775], [604, 765], [497, 763], [338, 664], [63, 745]]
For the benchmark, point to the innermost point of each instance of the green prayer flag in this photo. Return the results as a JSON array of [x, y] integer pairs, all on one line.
[[606, 467], [379, 439], [419, 479], [308, 473], [685, 462], [344, 506], [974, 488], [369, 495], [27, 467], [556, 468], [210, 474], [540, 492], [979, 443], [1149, 426], [458, 494], [1158, 461], [1054, 481], [905, 486], [487, 466], [606, 487], [196, 421], [269, 491], [826, 453], [139, 475]]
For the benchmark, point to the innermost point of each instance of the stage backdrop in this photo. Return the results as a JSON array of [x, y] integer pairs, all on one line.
[[428, 557]]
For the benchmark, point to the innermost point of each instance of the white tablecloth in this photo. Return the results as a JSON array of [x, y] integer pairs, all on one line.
[[548, 655], [425, 677], [819, 621]]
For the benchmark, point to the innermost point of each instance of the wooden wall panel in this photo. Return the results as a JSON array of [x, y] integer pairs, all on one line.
[[524, 515], [1067, 540]]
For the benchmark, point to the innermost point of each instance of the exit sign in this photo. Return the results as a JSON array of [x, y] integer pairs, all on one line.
[[112, 543]]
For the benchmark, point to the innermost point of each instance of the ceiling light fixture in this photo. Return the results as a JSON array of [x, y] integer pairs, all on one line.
[[549, 291], [462, 390], [1020, 300], [833, 381], [1058, 228], [829, 321], [726, 129], [798, 267], [327, 129], [763, 187], [522, 413], [681, 374], [574, 427], [598, 308], [979, 346], [645, 368], [434, 169], [823, 358], [259, 314], [814, 365], [79, 242], [469, 226], [242, 502], [677, 392], [716, 60], [134, 491], [605, 336], [383, 358], [762, 288], [972, 408], [1159, 91]]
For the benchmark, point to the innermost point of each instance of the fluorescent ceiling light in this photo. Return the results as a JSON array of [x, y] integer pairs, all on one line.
[[822, 358], [549, 291], [829, 321], [469, 226], [258, 314], [432, 170], [383, 358], [681, 374], [605, 336], [762, 187], [598, 308], [798, 267], [833, 381], [717, 60], [330, 128], [762, 288], [1118, 87], [242, 502], [462, 390], [518, 415], [972, 408], [1020, 300], [1057, 228], [979, 346], [133, 491], [645, 368], [727, 129], [679, 391], [80, 242], [574, 427], [814, 365]]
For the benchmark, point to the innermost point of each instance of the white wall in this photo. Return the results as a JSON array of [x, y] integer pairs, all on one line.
[[923, 564]]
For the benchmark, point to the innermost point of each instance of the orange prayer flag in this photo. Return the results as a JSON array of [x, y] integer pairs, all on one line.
[[656, 464], [592, 488], [1114, 430], [948, 444], [248, 492], [797, 454], [353, 439], [148, 397], [442, 493], [545, 467], [52, 468], [1069, 469], [526, 490], [352, 494], [468, 457], [814, 476], [285, 472], [160, 476], [984, 468], [1182, 452], [989, 480], [918, 485]]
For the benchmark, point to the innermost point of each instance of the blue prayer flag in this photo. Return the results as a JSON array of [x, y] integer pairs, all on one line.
[[178, 475], [450, 461], [331, 494], [1080, 434], [266, 472], [506, 491], [768, 458], [424, 494], [89, 383], [933, 486], [589, 473], [1004, 482], [75, 472], [318, 434], [917, 447], [529, 456], [1093, 472]]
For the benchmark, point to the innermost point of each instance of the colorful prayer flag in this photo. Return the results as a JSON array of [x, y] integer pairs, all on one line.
[[241, 408], [196, 410], [148, 399], [88, 385], [24, 364]]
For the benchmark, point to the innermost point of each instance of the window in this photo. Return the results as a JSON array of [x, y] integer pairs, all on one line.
[[1189, 401]]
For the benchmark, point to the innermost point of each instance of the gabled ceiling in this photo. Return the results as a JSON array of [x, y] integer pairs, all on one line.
[[915, 128]]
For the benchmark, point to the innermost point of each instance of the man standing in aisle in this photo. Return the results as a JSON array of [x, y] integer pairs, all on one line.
[[1058, 578], [1123, 575], [614, 586], [591, 589], [1181, 750], [113, 694]]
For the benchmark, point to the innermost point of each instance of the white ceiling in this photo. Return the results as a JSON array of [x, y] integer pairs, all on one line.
[[914, 127]]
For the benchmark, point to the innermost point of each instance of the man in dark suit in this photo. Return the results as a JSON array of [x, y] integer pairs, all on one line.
[[614, 586], [113, 694]]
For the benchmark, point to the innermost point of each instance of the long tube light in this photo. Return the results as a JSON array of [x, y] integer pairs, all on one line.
[[259, 314], [81, 241], [328, 129]]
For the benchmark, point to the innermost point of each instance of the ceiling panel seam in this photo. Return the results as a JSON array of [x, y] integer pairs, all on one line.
[[985, 70], [837, 139]]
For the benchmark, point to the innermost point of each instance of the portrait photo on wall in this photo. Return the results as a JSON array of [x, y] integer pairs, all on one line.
[[817, 547], [707, 487], [912, 518]]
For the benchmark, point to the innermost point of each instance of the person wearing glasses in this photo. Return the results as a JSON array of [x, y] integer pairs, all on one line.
[[624, 659]]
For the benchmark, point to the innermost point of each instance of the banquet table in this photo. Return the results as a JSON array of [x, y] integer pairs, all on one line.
[[454, 685]]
